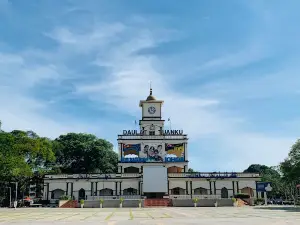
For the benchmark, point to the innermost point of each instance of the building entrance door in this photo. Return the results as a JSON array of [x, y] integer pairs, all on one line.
[[154, 195]]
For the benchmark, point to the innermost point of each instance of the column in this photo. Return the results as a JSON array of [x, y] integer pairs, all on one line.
[[120, 187], [71, 194], [120, 151], [66, 193], [116, 188], [92, 188], [191, 188], [47, 191], [215, 190], [185, 152], [186, 188], [139, 189], [237, 187], [210, 189], [233, 188], [168, 187], [96, 189]]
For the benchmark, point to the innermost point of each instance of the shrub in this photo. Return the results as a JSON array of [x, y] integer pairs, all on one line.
[[101, 200], [81, 202], [234, 199], [121, 200], [259, 201], [65, 197], [195, 200]]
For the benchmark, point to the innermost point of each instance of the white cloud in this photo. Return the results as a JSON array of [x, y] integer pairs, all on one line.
[[127, 82]]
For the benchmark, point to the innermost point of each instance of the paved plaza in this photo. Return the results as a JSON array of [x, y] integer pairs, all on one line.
[[149, 216]]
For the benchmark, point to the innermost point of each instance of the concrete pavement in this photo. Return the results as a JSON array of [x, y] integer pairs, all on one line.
[[152, 216]]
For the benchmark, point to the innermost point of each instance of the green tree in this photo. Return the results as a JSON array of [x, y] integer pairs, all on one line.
[[190, 170], [269, 174], [84, 153], [290, 169], [23, 157]]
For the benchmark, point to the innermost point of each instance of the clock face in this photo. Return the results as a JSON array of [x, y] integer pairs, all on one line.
[[151, 110]]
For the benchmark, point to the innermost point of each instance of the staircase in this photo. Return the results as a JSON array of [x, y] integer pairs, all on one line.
[[70, 204], [159, 202]]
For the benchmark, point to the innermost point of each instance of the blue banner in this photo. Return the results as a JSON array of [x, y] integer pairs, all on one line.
[[174, 159], [261, 186], [136, 160]]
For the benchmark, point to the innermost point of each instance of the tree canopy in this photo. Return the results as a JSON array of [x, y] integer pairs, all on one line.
[[84, 153], [25, 157]]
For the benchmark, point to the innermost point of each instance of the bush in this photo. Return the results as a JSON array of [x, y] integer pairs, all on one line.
[[234, 199], [81, 202], [101, 201], [121, 200], [65, 197], [258, 201], [195, 200]]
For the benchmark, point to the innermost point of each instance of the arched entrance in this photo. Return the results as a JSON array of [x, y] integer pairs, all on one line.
[[81, 194], [106, 192], [224, 192], [130, 191], [177, 191], [200, 191], [57, 193], [131, 169], [247, 190]]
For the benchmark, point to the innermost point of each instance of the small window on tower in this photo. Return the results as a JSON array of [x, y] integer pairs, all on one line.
[[151, 132]]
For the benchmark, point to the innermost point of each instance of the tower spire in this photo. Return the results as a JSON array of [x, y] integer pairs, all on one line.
[[150, 87]]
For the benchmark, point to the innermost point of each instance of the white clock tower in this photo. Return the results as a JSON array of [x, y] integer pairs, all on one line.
[[151, 122]]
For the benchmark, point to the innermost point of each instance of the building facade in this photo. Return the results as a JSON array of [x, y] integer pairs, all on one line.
[[153, 163]]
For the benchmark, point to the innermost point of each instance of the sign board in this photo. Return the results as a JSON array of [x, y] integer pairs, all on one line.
[[142, 132], [263, 186]]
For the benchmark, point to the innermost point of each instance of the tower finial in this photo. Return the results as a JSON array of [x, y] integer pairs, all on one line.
[[150, 87]]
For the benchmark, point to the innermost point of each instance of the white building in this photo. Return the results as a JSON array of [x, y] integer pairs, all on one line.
[[153, 163]]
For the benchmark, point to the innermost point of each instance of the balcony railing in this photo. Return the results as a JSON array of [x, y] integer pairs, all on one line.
[[153, 137], [195, 196], [218, 175], [128, 197], [81, 176], [89, 176], [143, 160]]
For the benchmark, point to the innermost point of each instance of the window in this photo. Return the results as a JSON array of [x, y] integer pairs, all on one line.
[[151, 132]]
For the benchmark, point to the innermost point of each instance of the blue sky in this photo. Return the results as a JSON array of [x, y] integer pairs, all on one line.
[[227, 70]]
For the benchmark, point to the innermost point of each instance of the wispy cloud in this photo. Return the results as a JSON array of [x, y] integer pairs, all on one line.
[[108, 60]]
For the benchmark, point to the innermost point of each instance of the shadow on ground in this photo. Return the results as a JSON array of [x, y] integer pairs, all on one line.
[[285, 208]]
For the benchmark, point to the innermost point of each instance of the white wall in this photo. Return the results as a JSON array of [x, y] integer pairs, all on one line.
[[200, 184], [177, 183]]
